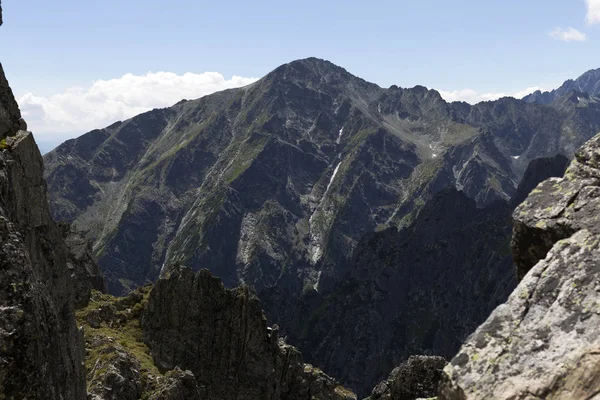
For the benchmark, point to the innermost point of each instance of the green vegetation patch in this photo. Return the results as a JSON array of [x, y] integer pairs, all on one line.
[[124, 328]]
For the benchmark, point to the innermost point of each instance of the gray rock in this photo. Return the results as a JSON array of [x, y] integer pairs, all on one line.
[[178, 385], [115, 375], [418, 378], [40, 346], [84, 268], [543, 343], [221, 336]]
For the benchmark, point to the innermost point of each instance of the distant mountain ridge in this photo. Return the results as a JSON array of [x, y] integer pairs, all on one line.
[[278, 184], [588, 83], [297, 152]]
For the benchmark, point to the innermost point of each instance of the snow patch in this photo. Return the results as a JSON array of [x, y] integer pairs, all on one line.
[[516, 157], [335, 171], [433, 154], [316, 285], [339, 139]]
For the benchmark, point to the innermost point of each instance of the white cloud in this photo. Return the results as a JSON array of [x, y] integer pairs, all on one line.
[[79, 110], [593, 11], [568, 35], [471, 96]]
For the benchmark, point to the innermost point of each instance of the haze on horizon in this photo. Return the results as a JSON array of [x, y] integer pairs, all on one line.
[[130, 57]]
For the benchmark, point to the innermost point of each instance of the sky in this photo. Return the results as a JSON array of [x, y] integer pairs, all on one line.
[[79, 65]]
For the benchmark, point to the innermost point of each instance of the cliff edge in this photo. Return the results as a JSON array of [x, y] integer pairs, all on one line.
[[544, 341]]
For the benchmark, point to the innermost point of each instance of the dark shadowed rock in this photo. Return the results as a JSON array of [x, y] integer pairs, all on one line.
[[419, 377], [116, 375], [40, 346], [405, 292], [221, 336], [543, 342], [84, 269]]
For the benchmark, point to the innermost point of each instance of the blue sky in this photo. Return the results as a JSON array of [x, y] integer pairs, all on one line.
[[489, 47]]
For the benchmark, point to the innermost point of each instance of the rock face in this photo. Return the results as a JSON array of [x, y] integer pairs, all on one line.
[[543, 343], [406, 292], [116, 375], [221, 336], [419, 377], [275, 184], [83, 266], [178, 385], [538, 171]]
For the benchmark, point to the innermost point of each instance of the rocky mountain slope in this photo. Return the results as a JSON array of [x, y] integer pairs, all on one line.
[[421, 290], [588, 83], [543, 343], [189, 337], [297, 184], [276, 183]]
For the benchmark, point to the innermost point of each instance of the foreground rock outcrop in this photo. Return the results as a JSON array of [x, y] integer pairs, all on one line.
[[119, 364], [190, 338], [419, 377], [544, 342], [221, 336]]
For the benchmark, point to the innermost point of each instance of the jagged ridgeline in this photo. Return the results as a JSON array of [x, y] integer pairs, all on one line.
[[274, 184]]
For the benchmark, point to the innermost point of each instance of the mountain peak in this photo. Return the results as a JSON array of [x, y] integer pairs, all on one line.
[[312, 70]]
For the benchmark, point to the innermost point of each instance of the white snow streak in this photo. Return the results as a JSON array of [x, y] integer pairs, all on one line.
[[339, 139], [335, 171]]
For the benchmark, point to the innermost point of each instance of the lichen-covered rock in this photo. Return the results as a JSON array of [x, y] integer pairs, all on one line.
[[221, 336], [419, 377], [543, 343], [115, 375], [178, 385], [557, 208]]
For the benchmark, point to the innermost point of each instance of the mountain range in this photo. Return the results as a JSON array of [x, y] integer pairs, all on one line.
[[373, 223]]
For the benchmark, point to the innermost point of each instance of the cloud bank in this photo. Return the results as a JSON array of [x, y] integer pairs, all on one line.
[[473, 97], [593, 11], [568, 35], [81, 109]]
